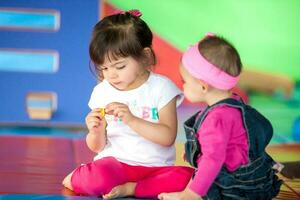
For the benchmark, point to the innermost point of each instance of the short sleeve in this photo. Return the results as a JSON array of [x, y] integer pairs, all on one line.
[[96, 99], [92, 101], [167, 91]]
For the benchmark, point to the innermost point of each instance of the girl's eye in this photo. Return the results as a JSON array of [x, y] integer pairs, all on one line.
[[122, 67], [103, 68]]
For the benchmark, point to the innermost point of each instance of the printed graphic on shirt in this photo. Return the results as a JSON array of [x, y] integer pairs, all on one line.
[[143, 112]]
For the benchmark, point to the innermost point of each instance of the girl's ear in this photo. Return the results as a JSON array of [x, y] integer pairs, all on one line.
[[147, 52], [147, 60]]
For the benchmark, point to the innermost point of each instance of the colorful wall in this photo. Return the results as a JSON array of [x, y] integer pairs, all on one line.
[[265, 34], [29, 37]]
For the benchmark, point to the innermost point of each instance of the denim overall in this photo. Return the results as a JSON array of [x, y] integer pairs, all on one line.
[[257, 179]]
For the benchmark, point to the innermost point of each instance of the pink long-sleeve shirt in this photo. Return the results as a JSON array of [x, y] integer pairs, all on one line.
[[223, 140]]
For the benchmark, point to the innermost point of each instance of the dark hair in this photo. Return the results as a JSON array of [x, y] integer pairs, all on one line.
[[221, 53], [121, 35]]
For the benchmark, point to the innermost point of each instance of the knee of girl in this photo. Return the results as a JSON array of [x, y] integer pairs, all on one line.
[[95, 182], [67, 182], [98, 177]]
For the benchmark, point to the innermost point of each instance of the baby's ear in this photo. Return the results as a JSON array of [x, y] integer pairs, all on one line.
[[204, 86]]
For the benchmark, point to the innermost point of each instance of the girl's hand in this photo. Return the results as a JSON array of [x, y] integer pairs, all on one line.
[[121, 111], [95, 122]]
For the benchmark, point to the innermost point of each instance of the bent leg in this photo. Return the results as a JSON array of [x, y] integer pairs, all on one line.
[[98, 177], [134, 174], [164, 179], [67, 181]]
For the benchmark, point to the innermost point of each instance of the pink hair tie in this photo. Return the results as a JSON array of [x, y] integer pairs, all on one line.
[[210, 34], [133, 12], [203, 70]]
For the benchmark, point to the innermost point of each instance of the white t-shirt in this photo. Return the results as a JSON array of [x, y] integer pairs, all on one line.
[[145, 102]]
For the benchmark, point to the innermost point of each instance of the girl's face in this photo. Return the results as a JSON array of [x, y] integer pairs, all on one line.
[[124, 73], [192, 87]]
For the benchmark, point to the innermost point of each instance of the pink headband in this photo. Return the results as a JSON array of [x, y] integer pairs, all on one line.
[[201, 69]]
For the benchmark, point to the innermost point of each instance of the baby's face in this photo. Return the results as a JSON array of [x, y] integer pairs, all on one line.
[[122, 73], [192, 87]]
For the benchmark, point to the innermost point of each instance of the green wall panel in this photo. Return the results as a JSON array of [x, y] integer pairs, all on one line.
[[264, 31]]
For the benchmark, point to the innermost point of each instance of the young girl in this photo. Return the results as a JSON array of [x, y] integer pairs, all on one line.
[[134, 141], [225, 141]]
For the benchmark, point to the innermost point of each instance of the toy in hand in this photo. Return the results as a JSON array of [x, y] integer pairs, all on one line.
[[102, 112]]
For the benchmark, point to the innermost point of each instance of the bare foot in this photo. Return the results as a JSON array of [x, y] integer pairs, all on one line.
[[124, 190], [67, 192]]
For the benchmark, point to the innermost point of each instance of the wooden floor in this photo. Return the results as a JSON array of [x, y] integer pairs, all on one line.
[[37, 165], [290, 189], [288, 154]]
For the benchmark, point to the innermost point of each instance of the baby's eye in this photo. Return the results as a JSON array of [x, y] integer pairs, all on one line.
[[121, 67], [103, 68], [181, 79]]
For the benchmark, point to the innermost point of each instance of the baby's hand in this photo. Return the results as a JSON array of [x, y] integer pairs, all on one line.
[[121, 111], [95, 121], [187, 194]]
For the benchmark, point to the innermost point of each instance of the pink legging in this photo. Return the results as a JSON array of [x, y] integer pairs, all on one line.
[[99, 177]]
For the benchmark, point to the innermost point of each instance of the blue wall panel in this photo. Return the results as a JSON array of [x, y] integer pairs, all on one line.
[[73, 82], [26, 61], [29, 19]]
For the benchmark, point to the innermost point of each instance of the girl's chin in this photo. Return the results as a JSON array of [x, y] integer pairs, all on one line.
[[120, 87]]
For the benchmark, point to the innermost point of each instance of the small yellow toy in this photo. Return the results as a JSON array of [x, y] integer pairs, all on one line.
[[102, 112]]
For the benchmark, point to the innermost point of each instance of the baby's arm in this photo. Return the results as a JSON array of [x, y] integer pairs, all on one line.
[[163, 133], [96, 124]]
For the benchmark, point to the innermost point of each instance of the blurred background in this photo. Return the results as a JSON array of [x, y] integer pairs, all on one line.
[[45, 80]]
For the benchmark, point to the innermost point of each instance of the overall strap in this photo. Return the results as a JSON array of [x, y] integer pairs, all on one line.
[[200, 118]]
